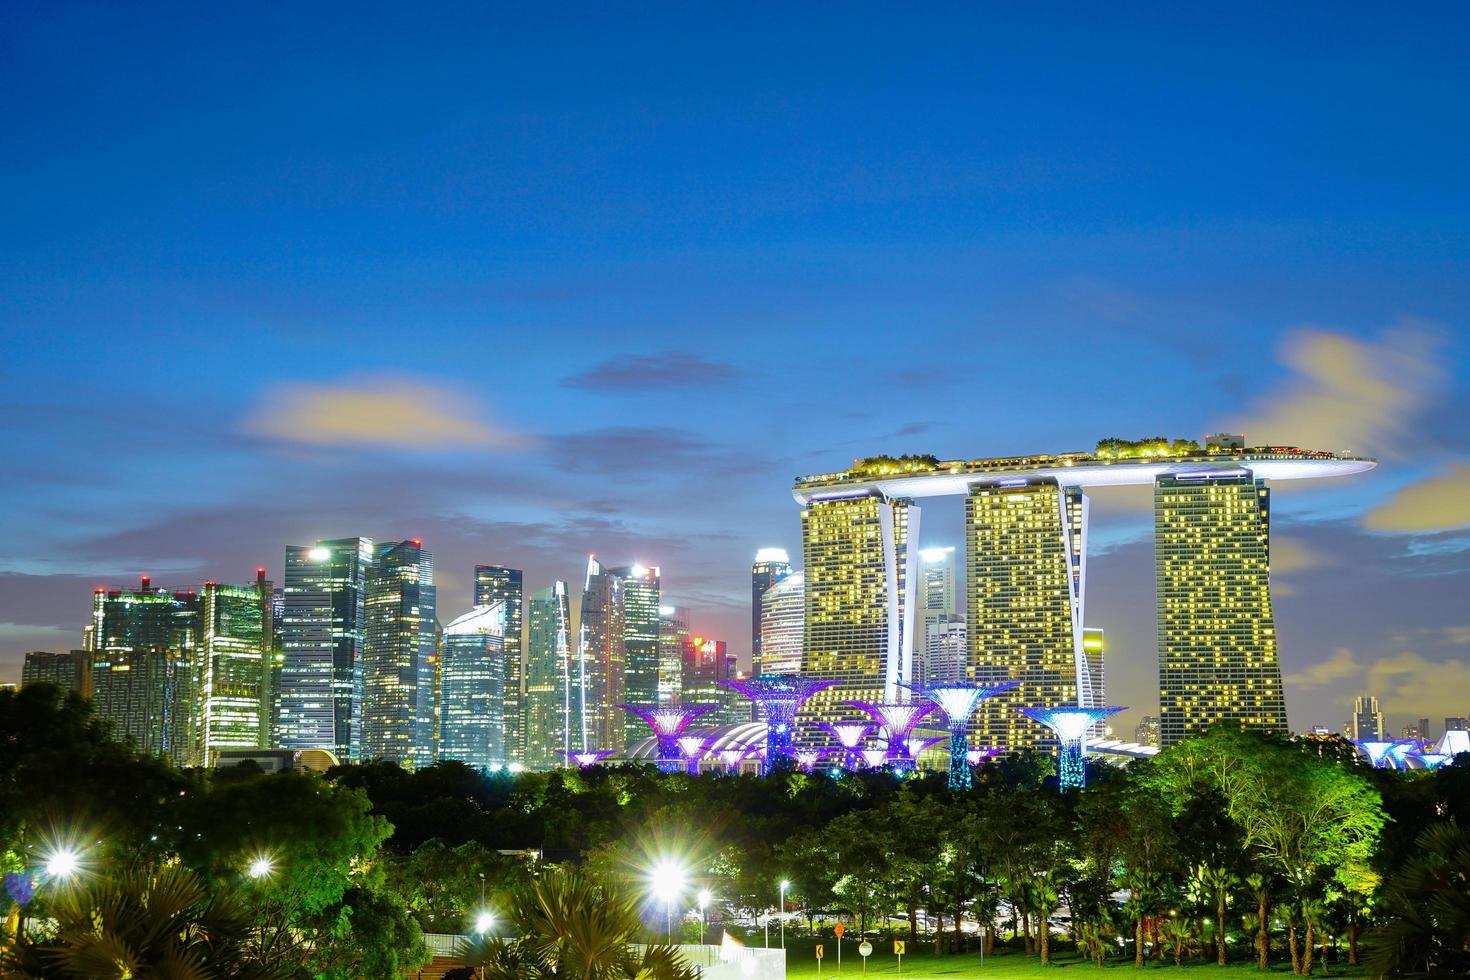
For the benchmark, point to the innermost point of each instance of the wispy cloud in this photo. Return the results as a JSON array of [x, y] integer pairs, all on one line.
[[643, 372], [1349, 394], [1438, 503], [385, 413]]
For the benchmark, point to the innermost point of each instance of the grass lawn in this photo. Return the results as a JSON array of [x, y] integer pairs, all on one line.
[[801, 964]]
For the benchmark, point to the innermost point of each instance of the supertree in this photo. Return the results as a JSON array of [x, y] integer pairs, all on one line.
[[958, 701], [731, 758], [897, 719], [808, 758], [874, 758], [849, 735], [917, 745], [1377, 752], [976, 756], [692, 747], [780, 696], [1071, 726], [586, 760], [668, 722]]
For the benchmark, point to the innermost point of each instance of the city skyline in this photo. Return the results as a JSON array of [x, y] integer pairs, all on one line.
[[566, 310]]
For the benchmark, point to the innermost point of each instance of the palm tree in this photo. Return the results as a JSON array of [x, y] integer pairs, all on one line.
[[569, 927], [1426, 909], [140, 922]]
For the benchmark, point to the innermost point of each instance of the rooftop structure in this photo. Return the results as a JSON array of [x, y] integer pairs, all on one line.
[[1071, 726], [779, 697], [926, 476]]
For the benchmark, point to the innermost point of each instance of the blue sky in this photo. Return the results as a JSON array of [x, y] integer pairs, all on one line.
[[530, 284]]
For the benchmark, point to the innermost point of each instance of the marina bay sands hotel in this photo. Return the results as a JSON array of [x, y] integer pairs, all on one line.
[[1026, 525]]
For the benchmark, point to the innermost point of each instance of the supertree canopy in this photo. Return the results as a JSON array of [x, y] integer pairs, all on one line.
[[958, 701], [849, 735], [874, 758], [1071, 726], [590, 758], [692, 747], [1377, 752], [668, 722], [808, 758], [780, 696], [897, 719], [976, 756]]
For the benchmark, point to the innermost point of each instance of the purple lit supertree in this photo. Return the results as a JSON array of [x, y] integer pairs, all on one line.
[[897, 719], [668, 722], [849, 735], [958, 701], [976, 756], [808, 758], [780, 696], [693, 748], [1071, 726], [874, 758], [731, 758], [585, 760], [916, 745]]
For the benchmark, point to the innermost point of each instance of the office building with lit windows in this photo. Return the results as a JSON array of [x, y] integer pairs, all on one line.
[[496, 583], [555, 678], [771, 565], [1024, 596], [144, 649], [71, 670], [1217, 634], [322, 632], [397, 657], [783, 614], [1366, 724], [707, 663], [861, 577], [235, 647], [619, 642], [472, 688], [640, 600], [673, 644]]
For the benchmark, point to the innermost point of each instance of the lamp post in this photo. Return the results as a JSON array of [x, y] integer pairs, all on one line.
[[704, 922], [667, 882], [784, 885]]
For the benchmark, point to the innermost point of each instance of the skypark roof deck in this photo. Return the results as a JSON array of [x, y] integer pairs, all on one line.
[[919, 477]]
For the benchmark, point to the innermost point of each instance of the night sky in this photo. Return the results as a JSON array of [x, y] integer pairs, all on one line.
[[531, 282]]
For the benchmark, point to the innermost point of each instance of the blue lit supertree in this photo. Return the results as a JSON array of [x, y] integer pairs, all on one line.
[[1071, 726], [1377, 752], [897, 719], [779, 696], [668, 722], [958, 701]]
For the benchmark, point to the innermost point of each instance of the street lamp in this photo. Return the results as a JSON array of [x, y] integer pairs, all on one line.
[[667, 880], [704, 897], [784, 885], [484, 922], [260, 867], [63, 863]]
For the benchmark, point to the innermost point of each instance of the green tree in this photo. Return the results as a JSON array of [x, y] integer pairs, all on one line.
[[1425, 909]]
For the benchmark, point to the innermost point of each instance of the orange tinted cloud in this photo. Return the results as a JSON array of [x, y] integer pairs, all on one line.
[[1438, 503]]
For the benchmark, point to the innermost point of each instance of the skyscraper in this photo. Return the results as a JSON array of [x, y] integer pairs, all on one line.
[[145, 659], [707, 663], [937, 604], [946, 652], [472, 678], [1217, 636], [640, 597], [1146, 732], [861, 578], [673, 639], [554, 702], [1366, 724], [600, 646], [322, 631], [235, 647], [1024, 590], [783, 612], [496, 583], [397, 655], [770, 567], [72, 670]]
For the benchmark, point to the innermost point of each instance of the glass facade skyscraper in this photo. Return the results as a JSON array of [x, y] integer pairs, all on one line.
[[619, 637], [554, 704], [1217, 635], [398, 650], [673, 641], [235, 647], [861, 577], [1367, 724], [472, 687], [770, 567], [707, 662], [496, 583], [1025, 542], [145, 661], [640, 599], [783, 611], [322, 632]]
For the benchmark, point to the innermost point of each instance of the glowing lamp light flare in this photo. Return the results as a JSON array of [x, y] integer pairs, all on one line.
[[484, 922], [261, 867], [667, 880], [63, 863]]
